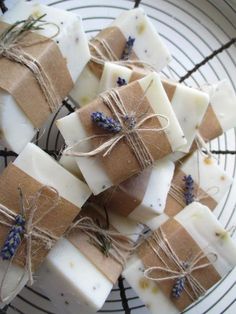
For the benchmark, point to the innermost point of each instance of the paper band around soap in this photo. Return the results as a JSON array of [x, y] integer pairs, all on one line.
[[124, 198], [107, 265], [185, 248], [130, 96], [175, 203], [27, 92], [55, 222]]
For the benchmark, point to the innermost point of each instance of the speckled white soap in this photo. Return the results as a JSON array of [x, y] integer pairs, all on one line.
[[43, 168], [205, 229], [148, 47], [74, 47], [71, 280], [72, 130]]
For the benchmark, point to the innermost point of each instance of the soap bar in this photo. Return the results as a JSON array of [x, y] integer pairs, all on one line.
[[142, 196], [193, 230], [36, 168], [147, 47], [210, 184], [72, 281], [183, 99], [79, 126], [71, 41], [218, 119]]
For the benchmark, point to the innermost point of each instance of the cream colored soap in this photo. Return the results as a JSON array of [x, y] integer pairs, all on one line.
[[148, 47], [71, 280], [220, 93], [208, 233], [73, 131], [73, 45], [43, 168], [189, 104]]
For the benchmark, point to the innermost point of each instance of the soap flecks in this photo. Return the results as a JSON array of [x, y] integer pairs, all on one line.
[[143, 283], [71, 265], [141, 27], [208, 161], [84, 100], [36, 14], [224, 235], [155, 290]]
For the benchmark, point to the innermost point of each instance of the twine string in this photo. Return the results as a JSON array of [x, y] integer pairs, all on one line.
[[11, 44], [160, 244], [109, 56], [120, 244], [130, 130], [47, 239]]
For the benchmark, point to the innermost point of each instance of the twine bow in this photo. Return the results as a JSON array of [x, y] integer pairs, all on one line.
[[11, 44], [183, 269], [110, 242], [31, 231], [130, 129], [110, 56]]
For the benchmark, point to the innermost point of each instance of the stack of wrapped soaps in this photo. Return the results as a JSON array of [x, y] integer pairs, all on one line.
[[135, 156]]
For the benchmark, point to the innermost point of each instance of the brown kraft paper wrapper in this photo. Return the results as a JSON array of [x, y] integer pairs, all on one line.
[[121, 162], [185, 247], [210, 127], [127, 196], [116, 41], [20, 82], [173, 207], [55, 222], [107, 265]]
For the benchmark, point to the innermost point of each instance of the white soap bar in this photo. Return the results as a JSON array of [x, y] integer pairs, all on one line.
[[184, 100], [213, 181], [142, 203], [43, 168], [72, 130], [71, 280], [73, 45], [207, 174], [148, 47], [223, 93], [210, 236]]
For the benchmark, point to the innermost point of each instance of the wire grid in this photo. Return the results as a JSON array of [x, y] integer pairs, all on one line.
[[187, 70]]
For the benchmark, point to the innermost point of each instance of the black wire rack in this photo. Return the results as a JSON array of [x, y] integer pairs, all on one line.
[[122, 295]]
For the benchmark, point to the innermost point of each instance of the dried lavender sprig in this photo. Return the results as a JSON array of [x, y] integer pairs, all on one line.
[[121, 82], [106, 123], [178, 287], [128, 48], [188, 190], [13, 239]]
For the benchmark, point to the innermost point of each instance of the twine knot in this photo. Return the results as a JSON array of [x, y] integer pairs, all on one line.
[[25, 226], [179, 271], [125, 125]]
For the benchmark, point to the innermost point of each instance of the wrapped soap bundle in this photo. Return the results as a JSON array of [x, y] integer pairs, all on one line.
[[181, 260], [79, 273], [122, 132], [39, 200], [217, 119], [196, 178], [142, 197], [131, 40], [43, 50], [183, 99]]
